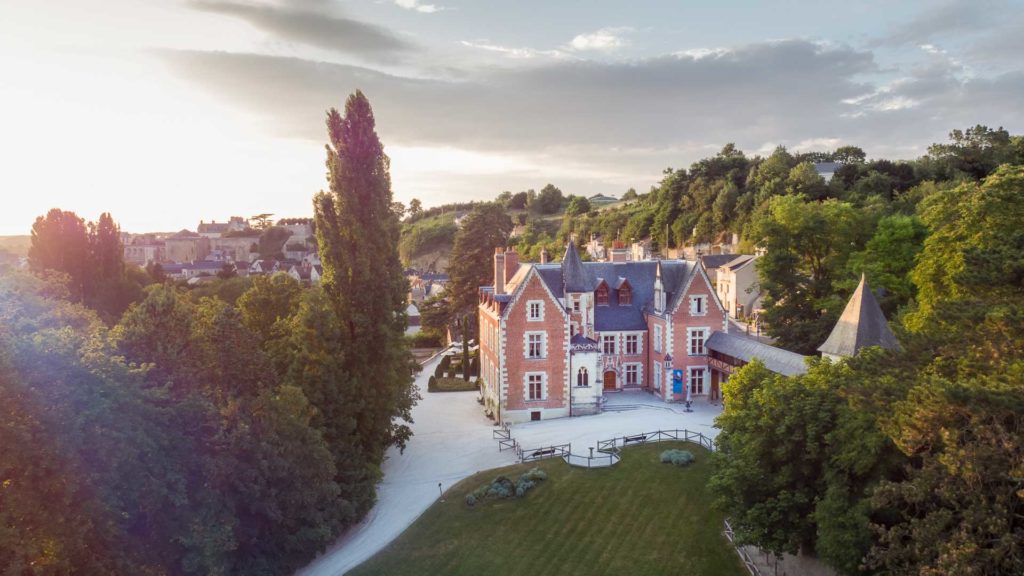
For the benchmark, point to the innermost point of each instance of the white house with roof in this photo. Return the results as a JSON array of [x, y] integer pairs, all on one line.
[[738, 286]]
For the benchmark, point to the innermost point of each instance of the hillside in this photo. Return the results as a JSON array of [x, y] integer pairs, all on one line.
[[17, 245], [428, 236]]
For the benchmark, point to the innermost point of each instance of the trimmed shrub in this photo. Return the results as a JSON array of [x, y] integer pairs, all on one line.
[[523, 486], [535, 475], [677, 457], [432, 384], [503, 487], [439, 371], [481, 492]]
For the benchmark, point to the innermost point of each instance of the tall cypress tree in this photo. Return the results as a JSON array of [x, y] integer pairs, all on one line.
[[357, 233]]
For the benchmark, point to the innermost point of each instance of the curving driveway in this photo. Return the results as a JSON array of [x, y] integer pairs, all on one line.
[[452, 440]]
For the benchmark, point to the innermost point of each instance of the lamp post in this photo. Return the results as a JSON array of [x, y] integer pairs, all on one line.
[[439, 492]]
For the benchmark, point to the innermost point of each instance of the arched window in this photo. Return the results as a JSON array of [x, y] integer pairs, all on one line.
[[582, 378]]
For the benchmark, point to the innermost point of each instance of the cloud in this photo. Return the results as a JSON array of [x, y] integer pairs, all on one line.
[[312, 28], [767, 88], [662, 109], [418, 6], [603, 40], [943, 20], [522, 53]]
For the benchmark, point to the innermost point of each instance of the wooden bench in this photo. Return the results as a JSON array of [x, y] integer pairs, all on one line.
[[638, 438]]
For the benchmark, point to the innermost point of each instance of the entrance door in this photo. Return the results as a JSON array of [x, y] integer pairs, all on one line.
[[609, 380]]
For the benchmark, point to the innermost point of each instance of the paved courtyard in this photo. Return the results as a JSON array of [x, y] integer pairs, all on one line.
[[452, 440]]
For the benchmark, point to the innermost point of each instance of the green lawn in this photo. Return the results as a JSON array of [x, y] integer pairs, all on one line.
[[453, 385], [640, 517]]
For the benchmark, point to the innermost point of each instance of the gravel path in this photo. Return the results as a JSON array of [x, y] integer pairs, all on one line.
[[452, 440]]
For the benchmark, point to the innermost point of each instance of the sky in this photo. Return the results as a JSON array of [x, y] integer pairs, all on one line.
[[168, 112]]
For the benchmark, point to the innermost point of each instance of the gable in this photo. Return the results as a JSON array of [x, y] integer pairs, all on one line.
[[531, 288]]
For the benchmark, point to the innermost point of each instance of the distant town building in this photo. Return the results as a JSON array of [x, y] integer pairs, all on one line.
[[600, 199], [143, 249], [237, 248], [186, 246], [216, 229]]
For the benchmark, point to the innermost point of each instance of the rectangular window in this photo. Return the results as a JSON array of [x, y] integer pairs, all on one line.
[[576, 304], [535, 386], [535, 345], [697, 337], [535, 310], [632, 374], [602, 295], [698, 305], [657, 338], [608, 342], [656, 377], [696, 381], [625, 296], [632, 344]]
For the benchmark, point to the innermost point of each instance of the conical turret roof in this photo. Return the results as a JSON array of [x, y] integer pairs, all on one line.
[[861, 325], [575, 277]]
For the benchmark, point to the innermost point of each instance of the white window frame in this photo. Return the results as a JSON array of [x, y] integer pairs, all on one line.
[[639, 346], [690, 337], [657, 375], [530, 307], [702, 370], [636, 369], [604, 342], [542, 377], [658, 335], [702, 299], [543, 341], [577, 307]]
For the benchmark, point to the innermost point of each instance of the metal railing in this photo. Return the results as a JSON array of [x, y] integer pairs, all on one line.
[[744, 557]]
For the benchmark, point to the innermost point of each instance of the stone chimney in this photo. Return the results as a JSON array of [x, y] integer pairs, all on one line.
[[499, 270], [618, 252], [543, 256], [511, 263]]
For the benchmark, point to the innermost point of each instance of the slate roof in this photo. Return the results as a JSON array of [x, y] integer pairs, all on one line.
[[861, 325], [204, 265], [641, 276], [826, 167], [581, 340], [740, 347], [739, 262], [716, 260], [575, 277]]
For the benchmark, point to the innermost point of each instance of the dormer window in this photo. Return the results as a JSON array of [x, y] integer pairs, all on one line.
[[601, 295], [625, 295]]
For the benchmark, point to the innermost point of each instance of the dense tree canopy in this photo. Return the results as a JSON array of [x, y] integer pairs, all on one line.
[[483, 230], [915, 456]]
